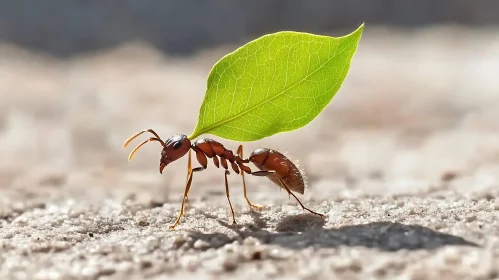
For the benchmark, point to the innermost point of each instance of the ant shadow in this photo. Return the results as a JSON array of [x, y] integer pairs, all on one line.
[[306, 230]]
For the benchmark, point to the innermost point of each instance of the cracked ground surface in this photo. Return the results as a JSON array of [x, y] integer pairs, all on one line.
[[404, 164]]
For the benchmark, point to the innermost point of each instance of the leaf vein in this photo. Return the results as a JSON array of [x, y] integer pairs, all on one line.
[[247, 110]]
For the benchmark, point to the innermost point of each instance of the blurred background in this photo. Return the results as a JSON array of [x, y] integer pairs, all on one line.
[[417, 112]]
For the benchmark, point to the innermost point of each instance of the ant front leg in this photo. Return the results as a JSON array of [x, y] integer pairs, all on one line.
[[189, 171], [252, 206], [187, 187], [228, 197], [270, 172], [189, 165]]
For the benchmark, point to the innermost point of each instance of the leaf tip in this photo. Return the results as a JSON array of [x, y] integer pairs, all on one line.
[[360, 29]]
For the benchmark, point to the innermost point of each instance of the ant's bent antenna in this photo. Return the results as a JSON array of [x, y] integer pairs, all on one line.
[[141, 144], [139, 133], [157, 138]]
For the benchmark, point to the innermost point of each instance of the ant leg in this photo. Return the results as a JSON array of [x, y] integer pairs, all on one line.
[[189, 165], [189, 171], [267, 173], [228, 197], [187, 187], [257, 207]]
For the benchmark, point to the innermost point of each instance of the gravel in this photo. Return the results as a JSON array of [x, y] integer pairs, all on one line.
[[445, 236]]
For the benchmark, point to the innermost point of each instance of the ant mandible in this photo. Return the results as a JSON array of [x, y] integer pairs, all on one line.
[[271, 163]]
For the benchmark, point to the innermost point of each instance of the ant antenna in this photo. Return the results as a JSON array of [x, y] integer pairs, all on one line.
[[137, 135], [141, 144], [157, 138]]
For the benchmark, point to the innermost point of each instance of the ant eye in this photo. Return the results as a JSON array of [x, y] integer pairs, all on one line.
[[177, 145]]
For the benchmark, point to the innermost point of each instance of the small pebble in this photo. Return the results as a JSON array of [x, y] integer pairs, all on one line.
[[230, 264], [201, 244], [190, 263], [178, 241], [145, 264], [251, 241], [256, 255], [451, 256]]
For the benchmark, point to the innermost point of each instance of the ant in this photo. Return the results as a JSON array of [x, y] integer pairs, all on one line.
[[271, 164]]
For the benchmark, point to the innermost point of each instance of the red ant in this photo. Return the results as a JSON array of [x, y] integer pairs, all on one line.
[[272, 164]]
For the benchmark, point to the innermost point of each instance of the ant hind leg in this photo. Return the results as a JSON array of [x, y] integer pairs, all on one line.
[[267, 173]]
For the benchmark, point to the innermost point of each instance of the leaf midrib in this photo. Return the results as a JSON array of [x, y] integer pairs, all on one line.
[[245, 111]]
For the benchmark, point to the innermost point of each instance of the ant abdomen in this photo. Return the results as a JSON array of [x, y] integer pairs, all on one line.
[[271, 160]]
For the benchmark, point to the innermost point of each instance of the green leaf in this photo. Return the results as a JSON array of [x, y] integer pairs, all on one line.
[[276, 83]]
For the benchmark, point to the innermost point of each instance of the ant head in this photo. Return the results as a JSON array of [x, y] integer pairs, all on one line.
[[174, 147]]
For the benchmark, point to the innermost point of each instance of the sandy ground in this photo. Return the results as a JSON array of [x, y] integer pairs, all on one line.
[[404, 163]]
